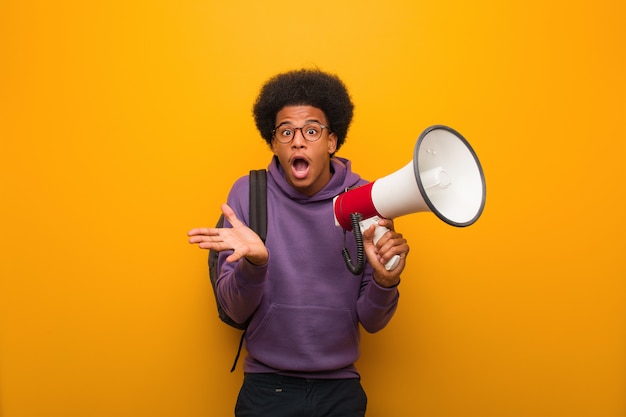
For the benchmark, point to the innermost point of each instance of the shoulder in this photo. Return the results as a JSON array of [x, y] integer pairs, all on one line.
[[343, 167], [239, 195], [242, 183]]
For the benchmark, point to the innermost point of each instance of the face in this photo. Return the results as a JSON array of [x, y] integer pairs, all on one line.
[[306, 164]]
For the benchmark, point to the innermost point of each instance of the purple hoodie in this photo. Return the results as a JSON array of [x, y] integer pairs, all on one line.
[[306, 305]]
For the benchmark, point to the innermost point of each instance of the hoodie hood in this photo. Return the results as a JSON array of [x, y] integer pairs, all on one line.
[[342, 178]]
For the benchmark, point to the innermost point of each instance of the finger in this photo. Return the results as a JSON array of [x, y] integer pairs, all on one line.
[[215, 245], [392, 243], [198, 231], [196, 235], [208, 235], [233, 257], [368, 234], [198, 239], [229, 214], [388, 223], [390, 238]]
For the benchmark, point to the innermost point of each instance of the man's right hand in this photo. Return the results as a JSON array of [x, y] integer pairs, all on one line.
[[240, 238]]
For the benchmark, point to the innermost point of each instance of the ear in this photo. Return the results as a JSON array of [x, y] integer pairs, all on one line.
[[273, 146], [332, 143]]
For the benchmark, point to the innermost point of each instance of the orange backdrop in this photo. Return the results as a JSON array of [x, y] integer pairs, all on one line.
[[124, 123]]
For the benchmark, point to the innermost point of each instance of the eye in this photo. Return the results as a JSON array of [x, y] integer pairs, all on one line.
[[311, 130], [285, 131]]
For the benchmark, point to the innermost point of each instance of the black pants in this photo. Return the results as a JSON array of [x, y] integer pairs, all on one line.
[[265, 395]]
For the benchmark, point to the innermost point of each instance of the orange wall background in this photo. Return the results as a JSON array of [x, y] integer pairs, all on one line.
[[124, 123]]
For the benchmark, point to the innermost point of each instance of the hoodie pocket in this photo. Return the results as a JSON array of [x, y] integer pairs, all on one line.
[[305, 338]]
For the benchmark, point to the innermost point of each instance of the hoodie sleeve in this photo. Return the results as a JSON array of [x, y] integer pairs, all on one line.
[[376, 305], [240, 287], [240, 284]]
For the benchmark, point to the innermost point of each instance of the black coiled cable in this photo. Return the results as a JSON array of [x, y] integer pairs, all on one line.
[[357, 269]]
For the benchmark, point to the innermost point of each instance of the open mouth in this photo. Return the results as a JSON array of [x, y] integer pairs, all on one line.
[[300, 168]]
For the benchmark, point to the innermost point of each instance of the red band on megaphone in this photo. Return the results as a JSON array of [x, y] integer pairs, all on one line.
[[357, 200]]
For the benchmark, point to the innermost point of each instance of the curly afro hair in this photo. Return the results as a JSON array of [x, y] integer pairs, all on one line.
[[304, 87]]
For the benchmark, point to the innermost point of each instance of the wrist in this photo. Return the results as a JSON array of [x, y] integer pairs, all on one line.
[[258, 260], [387, 282]]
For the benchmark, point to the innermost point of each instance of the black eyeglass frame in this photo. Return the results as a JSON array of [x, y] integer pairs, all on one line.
[[322, 127]]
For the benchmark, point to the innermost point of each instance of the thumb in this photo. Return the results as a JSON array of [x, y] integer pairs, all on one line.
[[368, 235], [369, 246], [229, 214]]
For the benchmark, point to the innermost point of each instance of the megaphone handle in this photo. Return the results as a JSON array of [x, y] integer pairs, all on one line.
[[378, 233]]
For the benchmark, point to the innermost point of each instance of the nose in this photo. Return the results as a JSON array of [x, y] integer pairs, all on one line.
[[298, 141]]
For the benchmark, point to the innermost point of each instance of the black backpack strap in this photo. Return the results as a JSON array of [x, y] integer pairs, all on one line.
[[258, 202], [258, 221], [243, 335]]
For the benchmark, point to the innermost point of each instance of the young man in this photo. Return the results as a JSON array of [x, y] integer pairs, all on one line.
[[306, 306]]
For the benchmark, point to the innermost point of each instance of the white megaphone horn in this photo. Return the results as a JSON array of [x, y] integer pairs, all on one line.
[[444, 177]]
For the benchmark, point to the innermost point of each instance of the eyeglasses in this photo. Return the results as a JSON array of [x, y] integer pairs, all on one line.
[[310, 132]]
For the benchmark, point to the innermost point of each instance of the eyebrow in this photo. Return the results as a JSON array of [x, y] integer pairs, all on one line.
[[305, 122]]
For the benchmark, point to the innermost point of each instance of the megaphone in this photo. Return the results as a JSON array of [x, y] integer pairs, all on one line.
[[445, 177]]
